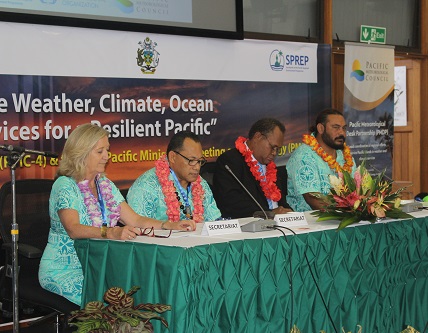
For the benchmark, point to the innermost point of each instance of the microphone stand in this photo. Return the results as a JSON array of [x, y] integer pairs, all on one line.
[[13, 161], [256, 225], [15, 156]]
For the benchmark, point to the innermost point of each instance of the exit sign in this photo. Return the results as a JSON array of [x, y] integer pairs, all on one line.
[[369, 34]]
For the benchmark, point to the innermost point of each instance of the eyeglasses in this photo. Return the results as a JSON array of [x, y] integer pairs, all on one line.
[[150, 232], [274, 148], [193, 162]]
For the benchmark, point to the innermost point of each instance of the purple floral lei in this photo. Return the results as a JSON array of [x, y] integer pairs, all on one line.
[[91, 202]]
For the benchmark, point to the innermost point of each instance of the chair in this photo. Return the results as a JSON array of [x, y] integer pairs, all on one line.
[[282, 176], [207, 172], [32, 216]]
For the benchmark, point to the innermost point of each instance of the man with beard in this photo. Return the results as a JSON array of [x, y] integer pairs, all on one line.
[[322, 153]]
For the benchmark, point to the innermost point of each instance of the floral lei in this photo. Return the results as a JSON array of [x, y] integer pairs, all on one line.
[[267, 183], [311, 141], [168, 190], [91, 202]]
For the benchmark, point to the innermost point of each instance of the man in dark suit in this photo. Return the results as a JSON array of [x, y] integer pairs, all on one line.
[[252, 161]]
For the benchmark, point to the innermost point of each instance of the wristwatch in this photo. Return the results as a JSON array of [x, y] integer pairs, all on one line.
[[104, 231]]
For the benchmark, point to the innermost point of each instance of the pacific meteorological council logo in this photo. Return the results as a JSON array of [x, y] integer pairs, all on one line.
[[277, 60], [125, 6], [357, 73], [147, 56]]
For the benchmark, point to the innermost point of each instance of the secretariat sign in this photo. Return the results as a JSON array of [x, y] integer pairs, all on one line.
[[369, 34], [213, 228]]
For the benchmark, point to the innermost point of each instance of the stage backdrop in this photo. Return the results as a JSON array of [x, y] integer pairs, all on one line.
[[145, 87], [369, 104]]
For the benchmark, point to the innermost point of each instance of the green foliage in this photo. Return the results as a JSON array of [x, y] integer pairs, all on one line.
[[119, 315]]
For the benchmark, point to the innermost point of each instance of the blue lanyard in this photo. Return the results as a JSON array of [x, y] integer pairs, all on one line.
[[262, 170], [101, 202], [263, 173], [183, 192]]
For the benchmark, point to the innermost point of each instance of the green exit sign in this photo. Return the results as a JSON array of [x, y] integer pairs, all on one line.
[[369, 34]]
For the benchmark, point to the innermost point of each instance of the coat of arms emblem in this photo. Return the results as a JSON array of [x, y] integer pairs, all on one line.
[[147, 56]]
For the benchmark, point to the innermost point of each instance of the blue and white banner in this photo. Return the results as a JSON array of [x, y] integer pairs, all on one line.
[[369, 104], [64, 51]]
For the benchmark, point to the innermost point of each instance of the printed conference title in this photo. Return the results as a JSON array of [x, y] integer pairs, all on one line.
[[107, 103]]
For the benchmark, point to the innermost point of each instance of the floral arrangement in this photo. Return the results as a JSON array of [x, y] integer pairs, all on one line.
[[360, 198]]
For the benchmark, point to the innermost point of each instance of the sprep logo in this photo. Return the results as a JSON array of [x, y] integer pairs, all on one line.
[[276, 60], [295, 60]]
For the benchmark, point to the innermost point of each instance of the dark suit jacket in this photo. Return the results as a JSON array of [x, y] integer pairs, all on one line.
[[232, 200]]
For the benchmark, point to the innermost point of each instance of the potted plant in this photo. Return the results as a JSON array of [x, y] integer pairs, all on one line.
[[119, 315]]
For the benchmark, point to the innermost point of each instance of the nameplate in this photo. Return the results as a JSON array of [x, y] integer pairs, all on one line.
[[221, 228], [292, 219]]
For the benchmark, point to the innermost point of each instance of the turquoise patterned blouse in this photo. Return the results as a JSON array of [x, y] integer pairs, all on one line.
[[60, 271], [146, 198], [308, 172]]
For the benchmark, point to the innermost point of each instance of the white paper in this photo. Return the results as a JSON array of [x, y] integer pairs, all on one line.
[[400, 96]]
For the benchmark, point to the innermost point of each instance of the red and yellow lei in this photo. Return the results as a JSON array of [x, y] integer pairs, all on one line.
[[332, 163], [267, 182], [168, 190]]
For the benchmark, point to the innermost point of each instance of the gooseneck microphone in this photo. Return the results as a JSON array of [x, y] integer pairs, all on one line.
[[20, 150], [259, 225], [380, 172]]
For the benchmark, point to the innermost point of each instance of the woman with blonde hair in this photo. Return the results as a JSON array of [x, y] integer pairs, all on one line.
[[84, 203]]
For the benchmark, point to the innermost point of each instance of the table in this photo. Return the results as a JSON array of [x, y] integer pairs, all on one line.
[[373, 275]]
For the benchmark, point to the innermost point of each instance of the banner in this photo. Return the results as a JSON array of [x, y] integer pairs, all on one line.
[[63, 51], [369, 104], [54, 78]]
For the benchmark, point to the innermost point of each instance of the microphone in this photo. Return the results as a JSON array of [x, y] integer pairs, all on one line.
[[378, 171], [17, 149], [259, 225]]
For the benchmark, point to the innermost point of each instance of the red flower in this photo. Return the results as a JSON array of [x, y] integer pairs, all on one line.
[[348, 201], [168, 190], [267, 182]]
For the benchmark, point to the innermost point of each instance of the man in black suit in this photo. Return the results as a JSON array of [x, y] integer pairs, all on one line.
[[252, 161]]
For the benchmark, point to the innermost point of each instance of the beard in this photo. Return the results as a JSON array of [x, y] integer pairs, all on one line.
[[332, 142]]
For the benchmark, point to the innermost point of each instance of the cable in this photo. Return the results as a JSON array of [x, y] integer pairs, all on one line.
[[278, 227], [291, 274]]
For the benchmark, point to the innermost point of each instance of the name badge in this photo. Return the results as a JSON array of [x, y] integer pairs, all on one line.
[[292, 219], [221, 228]]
